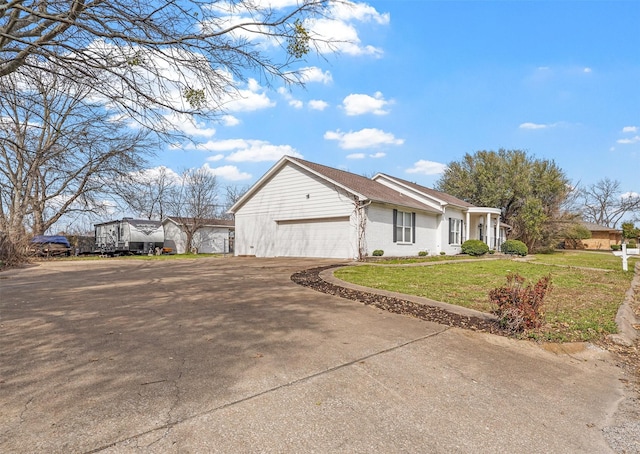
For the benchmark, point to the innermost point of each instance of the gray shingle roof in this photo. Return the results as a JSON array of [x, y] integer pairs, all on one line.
[[370, 189], [592, 226]]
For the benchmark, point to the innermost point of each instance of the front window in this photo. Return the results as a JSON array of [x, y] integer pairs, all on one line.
[[455, 231], [404, 225]]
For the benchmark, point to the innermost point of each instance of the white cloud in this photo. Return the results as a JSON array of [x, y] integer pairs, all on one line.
[[630, 129], [296, 104], [628, 195], [317, 104], [216, 157], [188, 125], [219, 145], [286, 94], [335, 30], [358, 11], [230, 120], [260, 151], [231, 173], [247, 100], [533, 126], [315, 74], [245, 150], [151, 174], [365, 138], [341, 37], [356, 156], [358, 104], [378, 155], [634, 139], [587, 70], [427, 167]]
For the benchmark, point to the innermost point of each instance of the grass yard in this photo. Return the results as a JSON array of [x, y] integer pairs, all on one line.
[[587, 288]]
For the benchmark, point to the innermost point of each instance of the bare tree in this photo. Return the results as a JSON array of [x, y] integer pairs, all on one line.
[[194, 202], [149, 56], [605, 204], [148, 192], [233, 194], [58, 151]]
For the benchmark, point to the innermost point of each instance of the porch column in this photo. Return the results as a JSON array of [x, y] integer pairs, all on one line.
[[467, 229], [488, 230]]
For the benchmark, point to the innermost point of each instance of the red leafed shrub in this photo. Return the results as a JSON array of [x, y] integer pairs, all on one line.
[[519, 307]]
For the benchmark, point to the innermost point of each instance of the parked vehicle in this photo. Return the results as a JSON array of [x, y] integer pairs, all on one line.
[[129, 236], [50, 246]]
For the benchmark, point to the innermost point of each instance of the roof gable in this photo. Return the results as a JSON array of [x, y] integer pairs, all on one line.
[[369, 189], [361, 187], [441, 197]]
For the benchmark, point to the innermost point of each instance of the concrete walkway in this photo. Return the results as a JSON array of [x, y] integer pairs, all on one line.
[[229, 355]]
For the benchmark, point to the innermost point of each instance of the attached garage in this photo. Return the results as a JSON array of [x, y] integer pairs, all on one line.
[[327, 237]]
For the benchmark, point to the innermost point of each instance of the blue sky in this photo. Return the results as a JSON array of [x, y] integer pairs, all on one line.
[[425, 82]]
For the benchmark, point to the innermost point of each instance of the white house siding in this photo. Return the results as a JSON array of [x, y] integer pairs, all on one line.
[[266, 223], [380, 232], [452, 249], [173, 232], [212, 240], [208, 239]]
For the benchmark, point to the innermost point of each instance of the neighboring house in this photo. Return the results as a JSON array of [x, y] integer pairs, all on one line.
[[215, 235], [302, 209], [601, 237], [129, 236]]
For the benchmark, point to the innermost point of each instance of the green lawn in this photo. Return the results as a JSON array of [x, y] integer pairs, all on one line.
[[581, 306]]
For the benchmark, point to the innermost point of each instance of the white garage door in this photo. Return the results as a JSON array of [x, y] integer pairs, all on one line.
[[315, 238]]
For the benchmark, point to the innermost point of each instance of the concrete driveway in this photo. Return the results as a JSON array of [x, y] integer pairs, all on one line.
[[229, 355]]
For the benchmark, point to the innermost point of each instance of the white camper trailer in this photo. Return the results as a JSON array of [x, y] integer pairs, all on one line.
[[129, 236]]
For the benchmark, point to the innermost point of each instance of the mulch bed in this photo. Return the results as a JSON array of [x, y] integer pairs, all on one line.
[[311, 278]]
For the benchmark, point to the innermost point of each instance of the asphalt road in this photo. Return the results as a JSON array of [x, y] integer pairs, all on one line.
[[229, 355]]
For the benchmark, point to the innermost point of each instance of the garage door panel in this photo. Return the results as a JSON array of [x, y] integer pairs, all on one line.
[[314, 238]]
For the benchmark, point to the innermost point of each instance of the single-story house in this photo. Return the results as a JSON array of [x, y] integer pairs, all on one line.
[[601, 237], [214, 236], [303, 209]]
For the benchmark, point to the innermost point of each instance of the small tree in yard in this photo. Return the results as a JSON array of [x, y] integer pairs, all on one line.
[[520, 307]]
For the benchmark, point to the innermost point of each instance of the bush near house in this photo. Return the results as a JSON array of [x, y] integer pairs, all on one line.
[[616, 247], [474, 247], [514, 247], [422, 254], [378, 253]]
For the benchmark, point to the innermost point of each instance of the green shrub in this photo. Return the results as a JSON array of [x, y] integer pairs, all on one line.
[[474, 247], [518, 307], [443, 253], [632, 244], [616, 247], [422, 253], [492, 251], [378, 253], [514, 247]]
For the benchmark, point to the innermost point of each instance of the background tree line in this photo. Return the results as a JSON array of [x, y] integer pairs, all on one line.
[[538, 201], [75, 76]]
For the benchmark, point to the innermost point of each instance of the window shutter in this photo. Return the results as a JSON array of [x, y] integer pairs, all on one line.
[[450, 231], [413, 227], [395, 224]]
